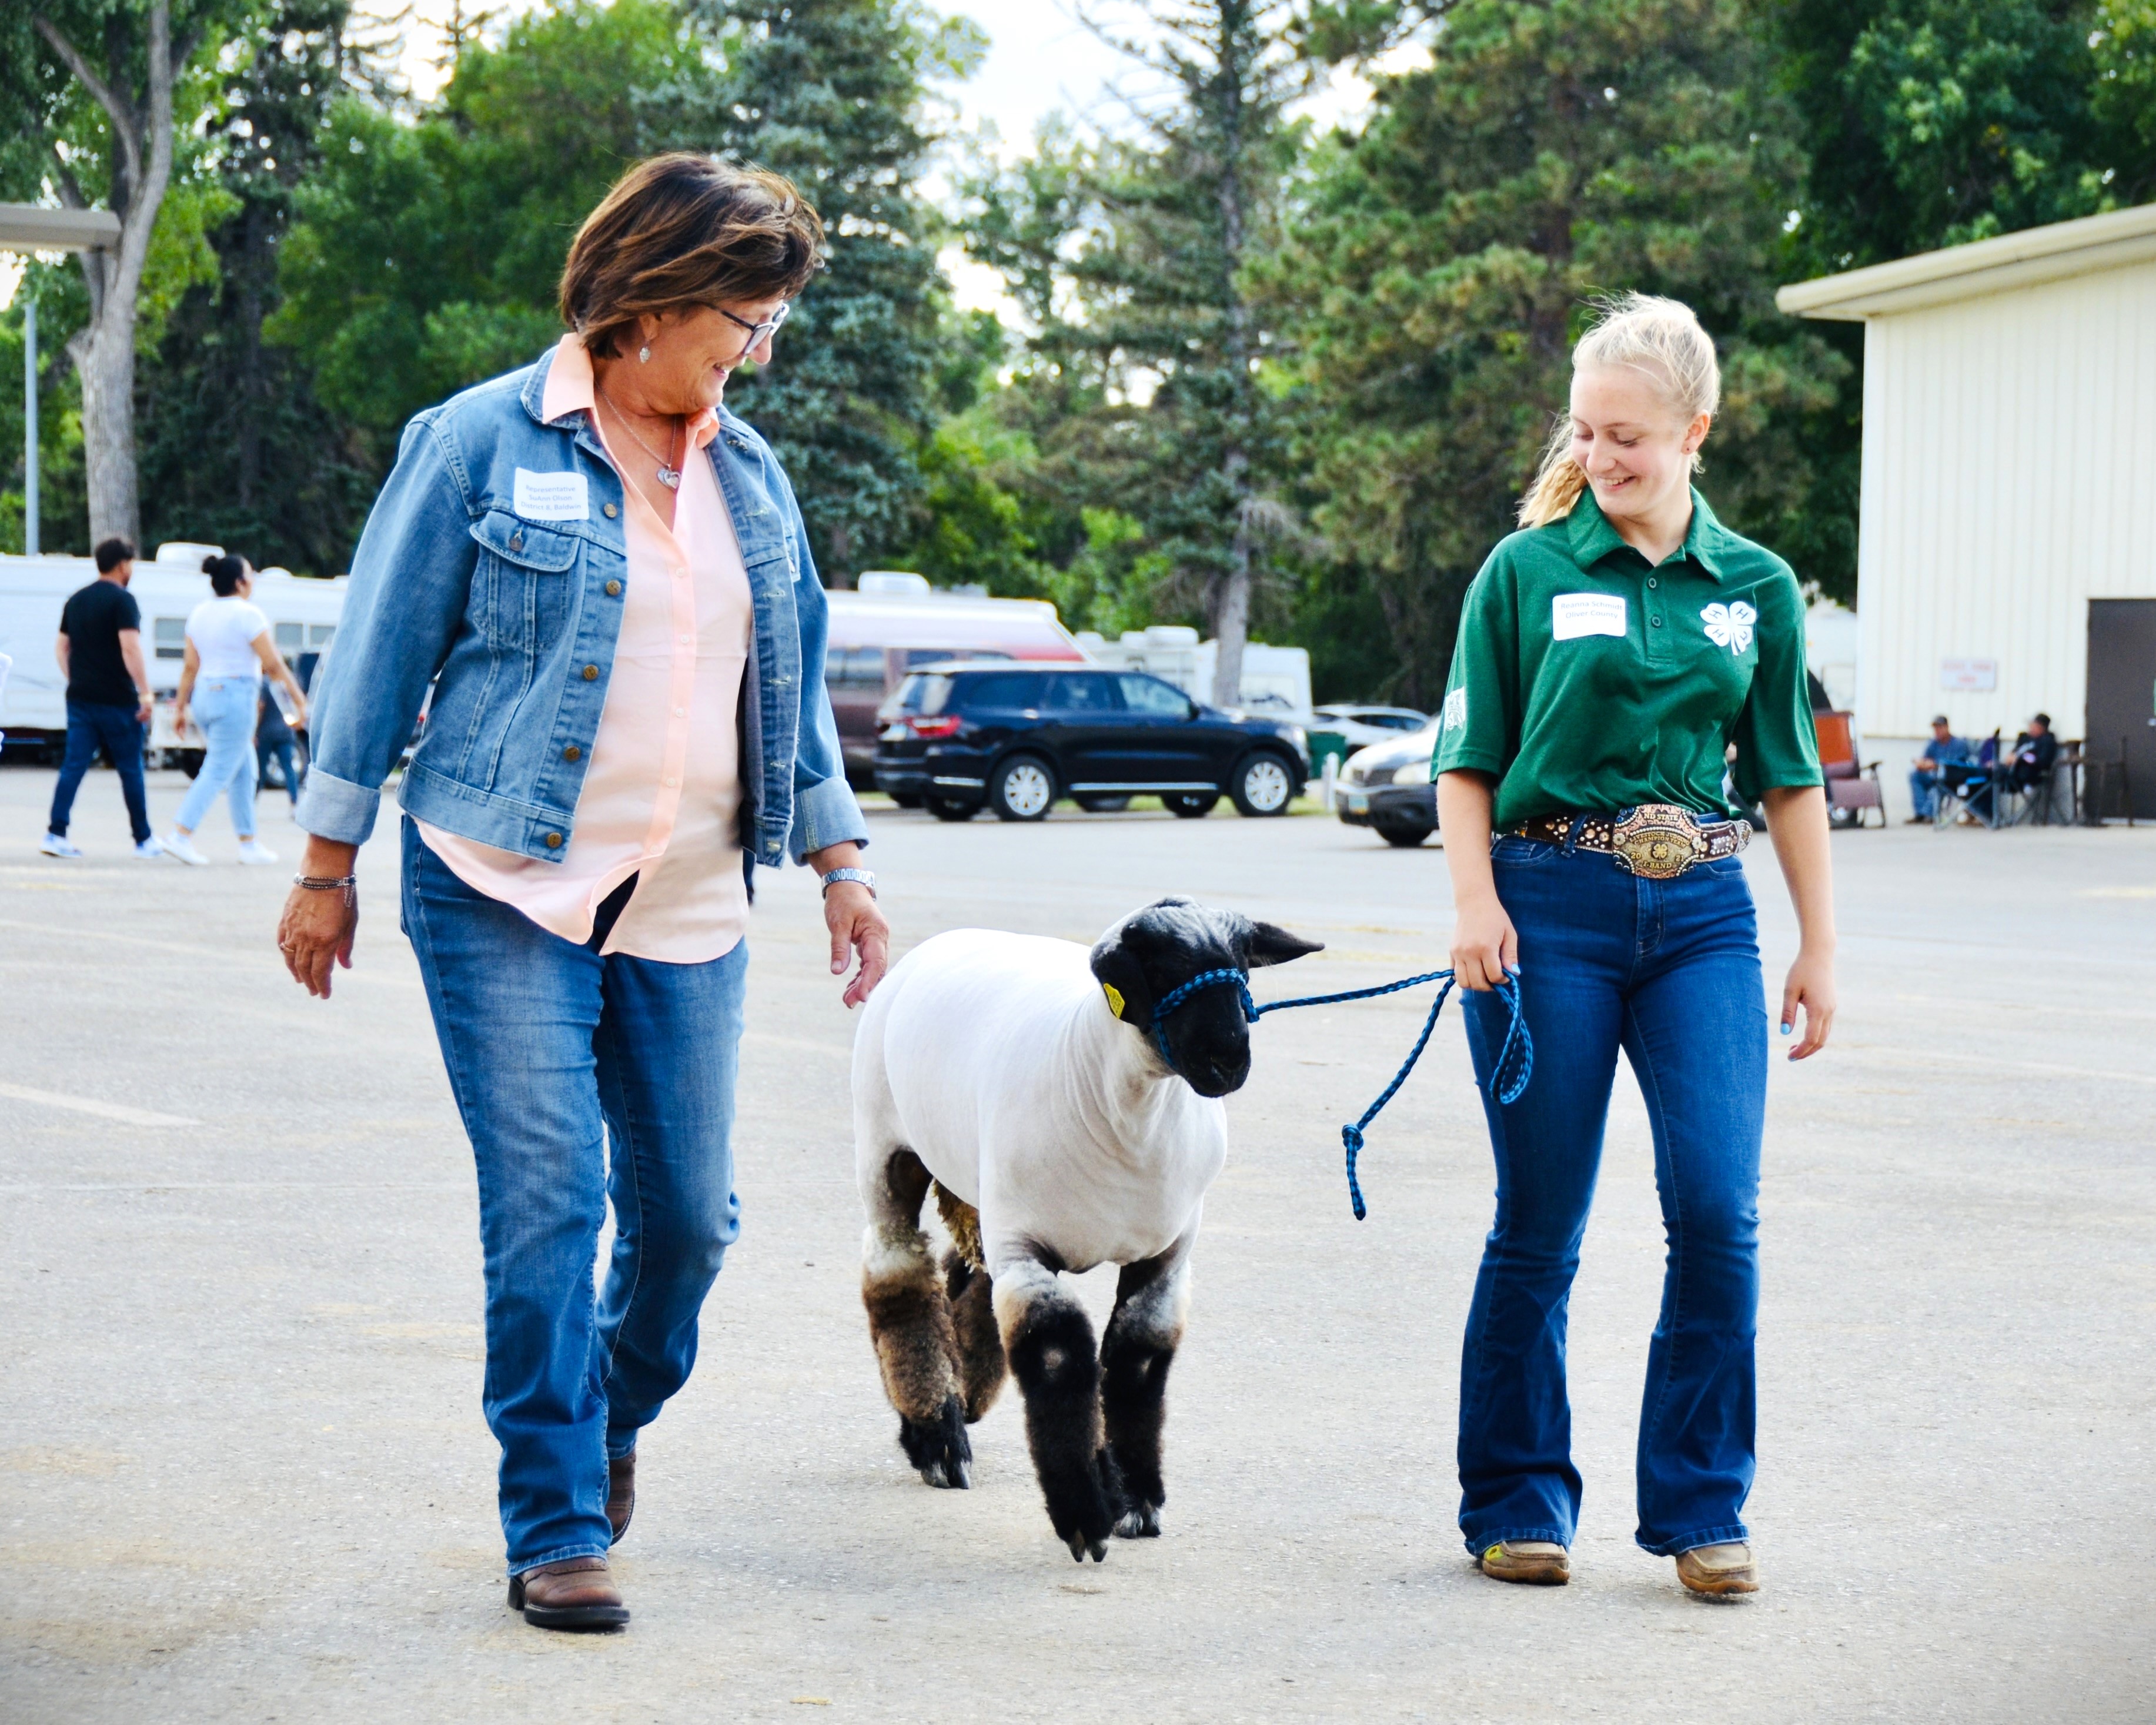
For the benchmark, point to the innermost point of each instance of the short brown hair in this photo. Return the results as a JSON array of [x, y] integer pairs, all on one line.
[[680, 230]]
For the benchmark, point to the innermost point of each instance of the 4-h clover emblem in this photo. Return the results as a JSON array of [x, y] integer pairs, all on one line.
[[1729, 625]]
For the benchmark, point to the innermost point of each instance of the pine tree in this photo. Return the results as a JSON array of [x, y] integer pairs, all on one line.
[[1442, 261], [834, 94], [1154, 368]]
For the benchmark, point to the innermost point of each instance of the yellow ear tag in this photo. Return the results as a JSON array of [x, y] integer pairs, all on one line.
[[1115, 999]]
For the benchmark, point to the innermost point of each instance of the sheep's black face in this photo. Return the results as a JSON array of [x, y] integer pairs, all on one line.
[[1153, 952]]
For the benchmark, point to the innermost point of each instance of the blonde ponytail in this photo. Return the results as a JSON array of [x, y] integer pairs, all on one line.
[[1659, 337]]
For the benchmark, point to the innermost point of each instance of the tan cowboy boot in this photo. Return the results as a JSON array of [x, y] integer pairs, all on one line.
[[575, 1593], [1539, 1563], [1718, 1569], [621, 1493]]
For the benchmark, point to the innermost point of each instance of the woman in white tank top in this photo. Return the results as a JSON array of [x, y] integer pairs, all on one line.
[[230, 647]]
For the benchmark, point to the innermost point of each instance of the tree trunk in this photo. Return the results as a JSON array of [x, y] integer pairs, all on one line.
[[1231, 607], [104, 350], [1231, 611], [104, 360]]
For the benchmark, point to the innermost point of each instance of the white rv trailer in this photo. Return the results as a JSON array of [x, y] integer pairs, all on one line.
[[303, 614]]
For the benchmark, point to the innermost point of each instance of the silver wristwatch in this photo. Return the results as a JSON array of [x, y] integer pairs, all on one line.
[[865, 876]]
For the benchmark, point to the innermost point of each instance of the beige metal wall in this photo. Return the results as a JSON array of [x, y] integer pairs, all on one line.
[[2010, 476]]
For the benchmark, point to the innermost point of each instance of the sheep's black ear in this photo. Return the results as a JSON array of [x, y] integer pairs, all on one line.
[[1115, 968], [1267, 943]]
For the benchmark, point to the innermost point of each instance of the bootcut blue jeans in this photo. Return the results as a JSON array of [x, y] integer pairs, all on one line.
[[1669, 971], [583, 1081]]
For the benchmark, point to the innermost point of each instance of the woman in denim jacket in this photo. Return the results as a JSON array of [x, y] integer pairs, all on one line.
[[596, 583]]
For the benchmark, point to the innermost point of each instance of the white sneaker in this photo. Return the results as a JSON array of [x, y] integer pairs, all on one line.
[[55, 845], [181, 849], [150, 847], [254, 853]]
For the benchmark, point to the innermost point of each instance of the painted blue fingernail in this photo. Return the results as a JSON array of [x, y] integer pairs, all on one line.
[[1786, 1028]]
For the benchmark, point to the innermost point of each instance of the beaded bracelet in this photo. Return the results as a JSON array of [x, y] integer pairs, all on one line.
[[348, 884]]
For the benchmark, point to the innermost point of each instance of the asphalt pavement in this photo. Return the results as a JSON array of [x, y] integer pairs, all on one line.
[[244, 1473]]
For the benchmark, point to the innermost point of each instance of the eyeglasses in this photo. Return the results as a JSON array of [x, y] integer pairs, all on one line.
[[758, 333]]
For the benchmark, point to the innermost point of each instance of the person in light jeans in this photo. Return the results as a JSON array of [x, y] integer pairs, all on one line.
[[229, 647]]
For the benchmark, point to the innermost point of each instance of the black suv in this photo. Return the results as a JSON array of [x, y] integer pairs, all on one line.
[[959, 738]]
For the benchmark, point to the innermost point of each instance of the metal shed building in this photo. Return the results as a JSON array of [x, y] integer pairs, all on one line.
[[2006, 557]]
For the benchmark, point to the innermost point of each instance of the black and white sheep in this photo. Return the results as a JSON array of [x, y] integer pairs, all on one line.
[[1020, 1077]]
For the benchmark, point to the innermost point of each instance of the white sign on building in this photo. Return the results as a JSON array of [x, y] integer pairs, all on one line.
[[1969, 676]]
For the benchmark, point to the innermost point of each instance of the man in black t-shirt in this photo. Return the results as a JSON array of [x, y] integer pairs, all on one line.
[[108, 695]]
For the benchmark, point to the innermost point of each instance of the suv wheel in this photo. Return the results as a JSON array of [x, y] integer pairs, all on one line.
[[1264, 784], [943, 808], [1022, 788], [1193, 805], [1407, 837]]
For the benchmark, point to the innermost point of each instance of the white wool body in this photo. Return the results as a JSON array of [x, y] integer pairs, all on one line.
[[996, 1060]]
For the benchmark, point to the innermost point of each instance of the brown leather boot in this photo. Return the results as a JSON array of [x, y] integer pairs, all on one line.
[[577, 1594], [1718, 1569], [621, 1493], [1538, 1563]]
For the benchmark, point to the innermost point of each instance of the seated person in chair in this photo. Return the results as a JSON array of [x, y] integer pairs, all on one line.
[[2036, 753], [1928, 778]]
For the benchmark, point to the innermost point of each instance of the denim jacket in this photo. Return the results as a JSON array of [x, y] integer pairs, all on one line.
[[493, 569]]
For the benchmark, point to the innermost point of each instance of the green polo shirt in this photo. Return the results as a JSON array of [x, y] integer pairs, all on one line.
[[1585, 678]]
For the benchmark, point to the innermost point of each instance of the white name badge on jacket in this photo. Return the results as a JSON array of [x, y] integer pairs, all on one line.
[[554, 496], [1574, 614]]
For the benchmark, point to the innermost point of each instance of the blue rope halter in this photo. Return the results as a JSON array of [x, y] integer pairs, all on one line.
[[1515, 1065]]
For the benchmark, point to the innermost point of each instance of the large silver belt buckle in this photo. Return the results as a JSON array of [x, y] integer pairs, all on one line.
[[1657, 841]]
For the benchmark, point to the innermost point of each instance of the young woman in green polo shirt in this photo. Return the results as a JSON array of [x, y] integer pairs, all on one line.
[[1610, 654]]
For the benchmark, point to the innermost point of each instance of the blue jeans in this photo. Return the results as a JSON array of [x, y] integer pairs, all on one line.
[[557, 1057], [1668, 970], [90, 724], [225, 709], [1924, 788], [282, 753]]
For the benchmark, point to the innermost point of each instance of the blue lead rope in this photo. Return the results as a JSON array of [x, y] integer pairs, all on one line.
[[1516, 1060]]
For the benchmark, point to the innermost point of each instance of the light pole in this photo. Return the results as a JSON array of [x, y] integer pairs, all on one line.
[[29, 420], [30, 228]]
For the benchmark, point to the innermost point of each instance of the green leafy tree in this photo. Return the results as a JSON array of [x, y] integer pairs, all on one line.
[[1929, 123], [2124, 44], [236, 449], [93, 88], [1440, 264], [426, 255]]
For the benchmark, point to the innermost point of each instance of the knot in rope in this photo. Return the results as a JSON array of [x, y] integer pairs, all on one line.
[[1514, 1066]]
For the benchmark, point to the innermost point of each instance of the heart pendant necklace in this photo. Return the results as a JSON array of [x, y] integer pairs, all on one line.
[[669, 475]]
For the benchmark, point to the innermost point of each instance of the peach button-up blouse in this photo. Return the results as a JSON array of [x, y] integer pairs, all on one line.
[[663, 790]]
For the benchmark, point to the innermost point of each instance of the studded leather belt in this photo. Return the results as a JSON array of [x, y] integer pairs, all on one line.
[[1657, 841]]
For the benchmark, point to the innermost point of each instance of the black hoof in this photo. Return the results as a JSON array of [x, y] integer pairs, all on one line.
[[939, 1450], [1140, 1521]]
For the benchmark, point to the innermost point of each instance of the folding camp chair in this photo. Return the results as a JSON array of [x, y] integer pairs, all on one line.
[[1972, 791], [1851, 788]]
